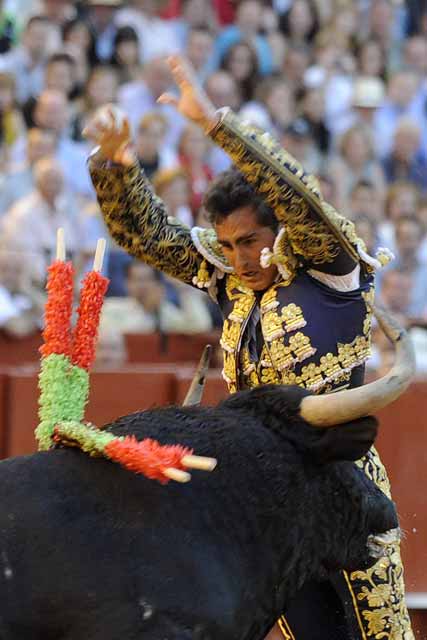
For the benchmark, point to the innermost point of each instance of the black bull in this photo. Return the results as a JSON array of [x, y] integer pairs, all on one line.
[[89, 551]]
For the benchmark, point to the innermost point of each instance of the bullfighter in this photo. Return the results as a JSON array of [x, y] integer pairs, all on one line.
[[294, 284]]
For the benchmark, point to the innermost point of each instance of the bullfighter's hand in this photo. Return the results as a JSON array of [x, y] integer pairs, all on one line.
[[109, 129], [193, 103]]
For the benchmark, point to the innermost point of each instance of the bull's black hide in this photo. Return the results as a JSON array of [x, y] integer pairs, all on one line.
[[89, 551]]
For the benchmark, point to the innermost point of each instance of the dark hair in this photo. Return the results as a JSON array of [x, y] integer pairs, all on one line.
[[362, 184], [125, 34], [129, 264], [408, 218], [247, 85], [62, 56], [37, 18], [285, 26], [230, 191], [68, 26]]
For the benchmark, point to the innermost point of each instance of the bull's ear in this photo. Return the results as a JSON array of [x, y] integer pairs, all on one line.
[[348, 441]]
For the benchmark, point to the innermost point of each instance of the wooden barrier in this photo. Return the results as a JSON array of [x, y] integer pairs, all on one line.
[[19, 351], [173, 347], [402, 444], [3, 413], [112, 394], [146, 348]]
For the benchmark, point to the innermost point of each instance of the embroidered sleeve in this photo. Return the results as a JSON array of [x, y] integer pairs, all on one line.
[[137, 220], [316, 233]]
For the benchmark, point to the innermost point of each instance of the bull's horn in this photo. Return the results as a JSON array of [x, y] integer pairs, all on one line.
[[195, 391], [350, 404]]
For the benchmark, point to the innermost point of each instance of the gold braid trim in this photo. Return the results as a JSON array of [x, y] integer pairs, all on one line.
[[282, 352], [380, 591], [315, 230], [138, 222]]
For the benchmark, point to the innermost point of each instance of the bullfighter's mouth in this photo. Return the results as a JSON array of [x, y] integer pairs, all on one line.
[[380, 544]]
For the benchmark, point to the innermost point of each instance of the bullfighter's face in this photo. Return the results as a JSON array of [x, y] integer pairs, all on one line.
[[242, 239]]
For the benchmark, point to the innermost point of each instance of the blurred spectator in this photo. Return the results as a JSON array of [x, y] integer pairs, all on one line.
[[405, 97], [409, 235], [273, 108], [300, 23], [242, 63], [401, 200], [396, 287], [364, 199], [247, 27], [406, 160], [223, 91], [100, 17], [355, 162], [367, 230], [199, 50], [328, 188], [312, 108], [197, 14], [366, 97], [11, 122], [417, 17], [276, 39], [27, 60], [298, 140], [173, 187], [398, 294], [153, 154], [52, 111], [327, 71], [371, 60], [32, 222], [146, 308], [59, 11], [157, 37], [383, 26], [343, 26], [8, 29], [19, 181], [125, 56], [21, 304], [421, 214], [59, 75], [295, 64], [193, 155], [79, 42], [101, 88], [415, 54], [139, 97]]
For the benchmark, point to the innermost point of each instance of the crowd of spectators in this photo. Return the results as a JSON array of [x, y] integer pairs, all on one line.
[[342, 84]]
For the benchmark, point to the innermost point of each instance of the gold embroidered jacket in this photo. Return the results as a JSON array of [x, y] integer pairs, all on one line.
[[312, 335]]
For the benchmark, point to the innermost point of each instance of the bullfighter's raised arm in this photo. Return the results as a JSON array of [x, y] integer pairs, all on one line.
[[315, 234], [136, 218]]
